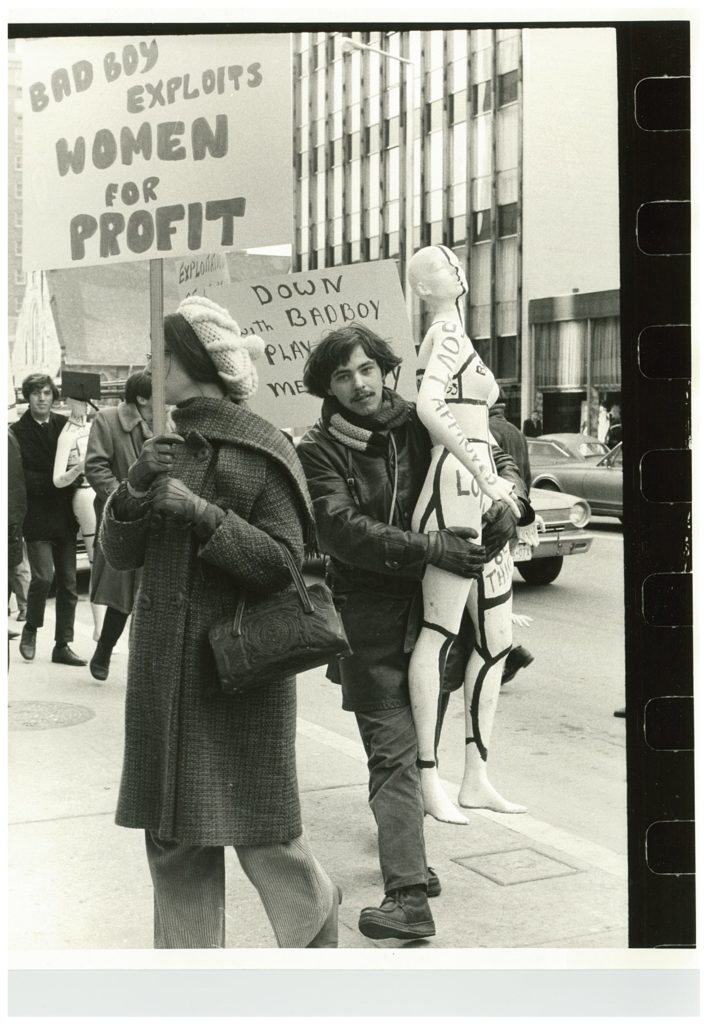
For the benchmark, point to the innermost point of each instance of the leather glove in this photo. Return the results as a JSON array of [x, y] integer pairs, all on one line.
[[499, 528], [451, 549], [157, 456], [500, 525], [172, 498]]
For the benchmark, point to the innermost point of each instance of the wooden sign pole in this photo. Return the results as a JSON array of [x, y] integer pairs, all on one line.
[[159, 412]]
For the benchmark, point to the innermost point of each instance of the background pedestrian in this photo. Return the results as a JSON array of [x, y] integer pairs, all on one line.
[[533, 426], [16, 509], [115, 441], [50, 527]]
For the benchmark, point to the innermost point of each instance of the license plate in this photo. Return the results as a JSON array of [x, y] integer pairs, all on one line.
[[523, 553]]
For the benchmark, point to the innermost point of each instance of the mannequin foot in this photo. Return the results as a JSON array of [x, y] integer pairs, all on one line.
[[435, 800], [482, 794]]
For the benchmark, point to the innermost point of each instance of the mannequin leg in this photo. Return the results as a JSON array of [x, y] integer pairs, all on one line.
[[444, 598], [490, 610], [86, 516]]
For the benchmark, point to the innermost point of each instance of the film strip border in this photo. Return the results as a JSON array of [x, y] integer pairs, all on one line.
[[654, 142]]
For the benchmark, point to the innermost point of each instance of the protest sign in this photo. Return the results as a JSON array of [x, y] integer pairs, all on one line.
[[291, 313], [140, 148], [202, 275]]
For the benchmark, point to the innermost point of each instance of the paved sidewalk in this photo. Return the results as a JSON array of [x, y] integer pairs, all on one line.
[[77, 881]]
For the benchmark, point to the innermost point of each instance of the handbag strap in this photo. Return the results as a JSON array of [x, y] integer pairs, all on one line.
[[300, 586]]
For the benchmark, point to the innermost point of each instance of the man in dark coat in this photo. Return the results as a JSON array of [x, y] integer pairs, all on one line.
[[513, 442], [532, 427], [365, 462], [16, 509], [116, 439], [49, 526], [509, 438]]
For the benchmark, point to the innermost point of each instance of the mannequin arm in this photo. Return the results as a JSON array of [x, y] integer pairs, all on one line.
[[64, 475]]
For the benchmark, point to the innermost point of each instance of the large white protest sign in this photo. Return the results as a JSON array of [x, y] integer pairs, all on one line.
[[137, 148], [291, 313]]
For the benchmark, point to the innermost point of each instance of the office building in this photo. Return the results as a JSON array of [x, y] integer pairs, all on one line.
[[483, 131]]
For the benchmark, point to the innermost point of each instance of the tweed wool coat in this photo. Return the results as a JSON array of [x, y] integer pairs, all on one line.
[[202, 767], [115, 441]]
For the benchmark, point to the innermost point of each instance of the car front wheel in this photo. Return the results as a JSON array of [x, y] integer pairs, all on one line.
[[541, 570]]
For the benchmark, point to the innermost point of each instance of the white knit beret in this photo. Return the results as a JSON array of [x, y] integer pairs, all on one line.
[[231, 351]]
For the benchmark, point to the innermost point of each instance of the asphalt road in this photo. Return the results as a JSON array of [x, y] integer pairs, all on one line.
[[556, 746]]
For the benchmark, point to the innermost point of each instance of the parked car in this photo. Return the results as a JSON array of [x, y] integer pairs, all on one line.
[[565, 517], [556, 448], [598, 481]]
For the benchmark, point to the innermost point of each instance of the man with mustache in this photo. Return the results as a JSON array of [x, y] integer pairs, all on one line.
[[365, 462]]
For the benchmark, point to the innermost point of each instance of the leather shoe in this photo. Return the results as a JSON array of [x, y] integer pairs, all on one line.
[[518, 658], [100, 662], [403, 914], [21, 616], [28, 643], [65, 656], [328, 935], [12, 635], [434, 886]]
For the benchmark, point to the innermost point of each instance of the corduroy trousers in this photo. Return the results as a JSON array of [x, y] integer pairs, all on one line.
[[394, 795], [190, 891]]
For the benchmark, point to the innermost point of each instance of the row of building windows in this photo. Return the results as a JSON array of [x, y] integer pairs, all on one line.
[[352, 194]]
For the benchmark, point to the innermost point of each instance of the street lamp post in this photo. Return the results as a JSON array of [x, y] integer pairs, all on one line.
[[409, 197]]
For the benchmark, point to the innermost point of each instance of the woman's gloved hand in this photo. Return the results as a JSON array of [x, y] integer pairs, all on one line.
[[452, 550], [171, 497], [157, 456]]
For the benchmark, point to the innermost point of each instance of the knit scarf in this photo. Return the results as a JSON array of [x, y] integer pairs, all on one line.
[[365, 433]]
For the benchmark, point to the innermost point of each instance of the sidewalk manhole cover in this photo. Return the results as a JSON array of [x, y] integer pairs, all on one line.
[[42, 714], [510, 867]]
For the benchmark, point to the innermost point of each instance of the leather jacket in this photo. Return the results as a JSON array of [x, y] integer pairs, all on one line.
[[360, 526]]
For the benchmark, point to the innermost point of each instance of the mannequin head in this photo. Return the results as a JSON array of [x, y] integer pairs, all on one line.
[[436, 275], [77, 410]]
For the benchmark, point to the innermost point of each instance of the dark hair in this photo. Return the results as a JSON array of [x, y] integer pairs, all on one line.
[[138, 385], [334, 350], [181, 340], [37, 382]]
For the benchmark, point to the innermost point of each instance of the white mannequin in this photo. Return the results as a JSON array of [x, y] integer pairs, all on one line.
[[455, 393], [68, 465]]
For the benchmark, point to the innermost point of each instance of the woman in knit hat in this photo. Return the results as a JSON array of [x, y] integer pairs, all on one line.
[[206, 511]]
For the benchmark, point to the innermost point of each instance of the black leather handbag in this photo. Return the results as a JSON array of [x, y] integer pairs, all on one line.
[[275, 637]]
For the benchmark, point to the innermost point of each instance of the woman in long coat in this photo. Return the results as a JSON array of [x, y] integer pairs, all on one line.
[[115, 441], [202, 769]]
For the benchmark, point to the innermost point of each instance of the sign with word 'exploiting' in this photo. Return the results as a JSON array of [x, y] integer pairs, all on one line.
[[138, 148], [291, 313], [203, 274]]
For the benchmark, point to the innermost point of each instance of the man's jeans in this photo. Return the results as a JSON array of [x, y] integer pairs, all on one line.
[[19, 577], [45, 559], [394, 795]]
